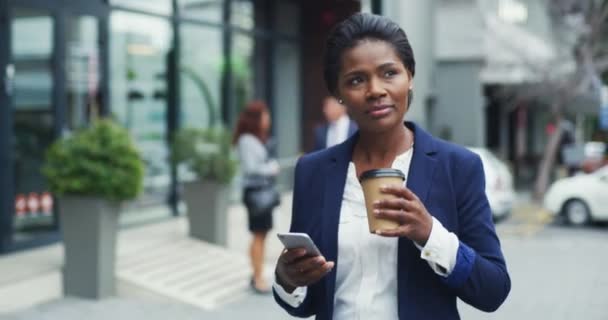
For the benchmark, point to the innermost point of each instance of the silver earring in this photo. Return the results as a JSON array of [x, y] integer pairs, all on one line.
[[340, 101]]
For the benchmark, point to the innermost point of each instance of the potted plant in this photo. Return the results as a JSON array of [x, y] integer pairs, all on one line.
[[92, 171], [207, 153]]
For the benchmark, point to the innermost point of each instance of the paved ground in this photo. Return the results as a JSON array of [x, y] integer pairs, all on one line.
[[557, 273]]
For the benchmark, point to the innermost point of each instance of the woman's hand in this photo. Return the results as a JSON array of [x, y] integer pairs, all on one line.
[[415, 222], [296, 268]]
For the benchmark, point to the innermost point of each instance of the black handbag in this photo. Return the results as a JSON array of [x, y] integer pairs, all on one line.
[[262, 196]]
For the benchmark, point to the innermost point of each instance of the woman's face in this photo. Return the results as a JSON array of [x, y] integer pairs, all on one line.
[[265, 121], [374, 84]]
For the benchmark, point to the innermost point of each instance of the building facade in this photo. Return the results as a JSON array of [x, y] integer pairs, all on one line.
[[154, 66], [490, 78]]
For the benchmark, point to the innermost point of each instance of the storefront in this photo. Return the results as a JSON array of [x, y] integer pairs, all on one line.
[[154, 66], [51, 63]]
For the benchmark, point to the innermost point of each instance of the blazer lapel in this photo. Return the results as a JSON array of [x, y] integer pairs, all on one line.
[[419, 180], [335, 177], [420, 176]]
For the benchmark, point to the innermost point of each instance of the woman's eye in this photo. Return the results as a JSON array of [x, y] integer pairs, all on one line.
[[355, 81], [390, 73]]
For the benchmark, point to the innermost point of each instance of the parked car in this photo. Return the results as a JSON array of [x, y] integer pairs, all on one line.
[[580, 199], [499, 183]]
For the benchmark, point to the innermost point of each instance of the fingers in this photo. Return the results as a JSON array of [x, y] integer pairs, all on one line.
[[400, 191], [400, 216], [307, 272], [314, 275], [290, 255], [308, 264], [396, 204], [401, 231]]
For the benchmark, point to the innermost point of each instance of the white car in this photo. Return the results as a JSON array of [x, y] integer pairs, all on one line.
[[580, 199], [499, 183]]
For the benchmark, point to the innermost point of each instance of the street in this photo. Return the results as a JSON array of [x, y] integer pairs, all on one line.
[[556, 273]]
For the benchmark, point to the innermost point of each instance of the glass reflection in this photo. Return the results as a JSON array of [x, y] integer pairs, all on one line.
[[139, 50], [156, 6], [206, 10], [32, 36], [82, 64]]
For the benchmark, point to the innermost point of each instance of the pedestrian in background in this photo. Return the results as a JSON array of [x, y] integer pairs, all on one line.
[[444, 247], [338, 126], [259, 172]]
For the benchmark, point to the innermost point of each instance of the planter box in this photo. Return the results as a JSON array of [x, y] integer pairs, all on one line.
[[207, 211], [89, 227]]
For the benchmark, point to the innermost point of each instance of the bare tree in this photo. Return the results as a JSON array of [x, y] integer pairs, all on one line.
[[580, 26], [583, 22]]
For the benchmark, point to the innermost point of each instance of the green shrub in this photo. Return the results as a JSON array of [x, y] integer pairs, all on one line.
[[206, 152], [100, 160]]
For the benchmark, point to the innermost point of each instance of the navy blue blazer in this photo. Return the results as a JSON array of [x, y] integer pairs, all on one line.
[[321, 135], [450, 181]]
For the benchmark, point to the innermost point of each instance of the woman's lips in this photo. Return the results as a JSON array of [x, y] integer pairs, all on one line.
[[379, 111]]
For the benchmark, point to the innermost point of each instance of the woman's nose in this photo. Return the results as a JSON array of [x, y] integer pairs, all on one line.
[[375, 89]]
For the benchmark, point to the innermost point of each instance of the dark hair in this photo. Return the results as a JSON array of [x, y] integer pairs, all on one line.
[[361, 26], [250, 121]]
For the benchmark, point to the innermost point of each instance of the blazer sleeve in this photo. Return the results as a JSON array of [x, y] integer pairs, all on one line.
[[480, 277], [307, 308]]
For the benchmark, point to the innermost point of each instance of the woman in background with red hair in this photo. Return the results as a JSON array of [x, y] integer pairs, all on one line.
[[258, 169]]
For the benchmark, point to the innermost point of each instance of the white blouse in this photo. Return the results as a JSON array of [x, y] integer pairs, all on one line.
[[366, 286]]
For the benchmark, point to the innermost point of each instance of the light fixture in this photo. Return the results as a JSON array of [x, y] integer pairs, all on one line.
[[512, 11]]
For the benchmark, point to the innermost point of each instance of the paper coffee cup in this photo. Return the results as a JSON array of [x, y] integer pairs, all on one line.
[[371, 181]]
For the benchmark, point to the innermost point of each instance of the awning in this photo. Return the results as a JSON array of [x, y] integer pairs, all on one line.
[[514, 55]]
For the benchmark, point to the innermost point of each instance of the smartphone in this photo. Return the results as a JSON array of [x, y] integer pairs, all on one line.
[[293, 240]]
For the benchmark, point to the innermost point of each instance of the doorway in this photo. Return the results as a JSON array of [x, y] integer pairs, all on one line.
[[51, 71]]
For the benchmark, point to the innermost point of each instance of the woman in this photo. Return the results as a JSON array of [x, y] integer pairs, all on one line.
[[251, 137], [445, 247]]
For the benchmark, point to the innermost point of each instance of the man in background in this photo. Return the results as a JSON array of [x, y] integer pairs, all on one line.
[[338, 128]]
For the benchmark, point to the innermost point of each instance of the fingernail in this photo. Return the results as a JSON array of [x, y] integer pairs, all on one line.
[[377, 212], [378, 232]]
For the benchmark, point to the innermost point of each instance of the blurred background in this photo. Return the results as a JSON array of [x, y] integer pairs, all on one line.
[[521, 82]]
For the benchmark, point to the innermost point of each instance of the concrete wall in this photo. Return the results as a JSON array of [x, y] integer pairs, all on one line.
[[416, 17], [460, 114], [459, 30]]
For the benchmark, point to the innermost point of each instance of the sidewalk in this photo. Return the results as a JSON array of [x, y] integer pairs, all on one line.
[[154, 256], [161, 273]]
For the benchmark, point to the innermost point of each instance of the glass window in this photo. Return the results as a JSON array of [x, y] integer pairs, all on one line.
[[33, 122], [243, 64], [366, 6], [82, 64], [242, 14], [139, 47], [201, 75], [209, 11], [156, 6], [32, 48]]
